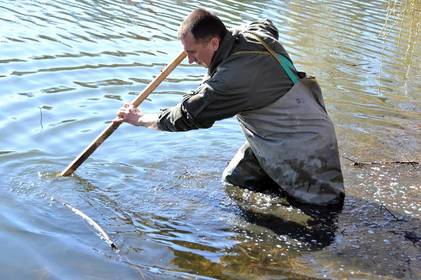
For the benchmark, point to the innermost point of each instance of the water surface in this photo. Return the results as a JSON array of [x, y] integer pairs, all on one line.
[[67, 66]]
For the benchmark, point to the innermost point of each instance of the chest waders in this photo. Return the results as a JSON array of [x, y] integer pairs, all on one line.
[[291, 144]]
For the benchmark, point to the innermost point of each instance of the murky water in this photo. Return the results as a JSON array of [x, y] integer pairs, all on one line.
[[66, 67]]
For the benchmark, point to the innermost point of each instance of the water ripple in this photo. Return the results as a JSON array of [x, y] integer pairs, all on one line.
[[65, 68]]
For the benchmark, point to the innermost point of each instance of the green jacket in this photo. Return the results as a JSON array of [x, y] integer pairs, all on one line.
[[242, 76], [286, 125]]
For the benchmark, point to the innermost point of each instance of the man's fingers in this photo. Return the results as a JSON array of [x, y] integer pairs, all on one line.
[[128, 113], [132, 108]]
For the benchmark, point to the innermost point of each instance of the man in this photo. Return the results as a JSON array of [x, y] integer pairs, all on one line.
[[290, 140]]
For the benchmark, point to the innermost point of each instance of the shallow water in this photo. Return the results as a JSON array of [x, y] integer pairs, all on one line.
[[67, 66]]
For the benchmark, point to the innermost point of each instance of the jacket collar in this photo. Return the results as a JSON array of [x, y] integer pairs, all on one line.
[[224, 50]]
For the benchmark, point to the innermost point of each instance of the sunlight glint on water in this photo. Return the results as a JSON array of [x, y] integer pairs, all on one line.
[[65, 68]]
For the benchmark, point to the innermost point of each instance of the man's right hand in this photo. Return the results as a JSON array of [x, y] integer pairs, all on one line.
[[130, 114]]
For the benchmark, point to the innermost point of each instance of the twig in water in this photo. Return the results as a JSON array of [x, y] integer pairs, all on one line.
[[102, 234], [390, 212], [413, 237], [350, 159], [40, 120], [360, 164]]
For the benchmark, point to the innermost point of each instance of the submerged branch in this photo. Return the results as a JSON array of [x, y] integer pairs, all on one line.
[[393, 215], [362, 164], [40, 120], [102, 234]]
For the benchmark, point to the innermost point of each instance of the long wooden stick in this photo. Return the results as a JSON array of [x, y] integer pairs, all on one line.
[[114, 125]]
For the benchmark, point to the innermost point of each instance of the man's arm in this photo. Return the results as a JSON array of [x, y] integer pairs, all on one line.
[[149, 121], [221, 96], [241, 83]]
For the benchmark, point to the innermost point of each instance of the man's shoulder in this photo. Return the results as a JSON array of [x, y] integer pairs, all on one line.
[[264, 28], [240, 69]]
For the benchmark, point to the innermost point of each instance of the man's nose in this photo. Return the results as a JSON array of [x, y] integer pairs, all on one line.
[[192, 59]]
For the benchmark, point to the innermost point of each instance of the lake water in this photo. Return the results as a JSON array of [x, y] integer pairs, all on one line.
[[67, 66]]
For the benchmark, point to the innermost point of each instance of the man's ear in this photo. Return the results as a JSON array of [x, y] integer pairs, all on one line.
[[214, 42]]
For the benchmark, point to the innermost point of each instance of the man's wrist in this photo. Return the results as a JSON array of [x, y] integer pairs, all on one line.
[[149, 121]]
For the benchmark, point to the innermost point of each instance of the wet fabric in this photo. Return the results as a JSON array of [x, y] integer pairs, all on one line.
[[294, 142], [287, 128], [244, 170]]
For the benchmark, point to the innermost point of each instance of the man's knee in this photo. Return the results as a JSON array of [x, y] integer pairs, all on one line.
[[245, 171]]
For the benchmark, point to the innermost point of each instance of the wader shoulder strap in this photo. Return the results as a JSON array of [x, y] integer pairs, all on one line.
[[284, 61]]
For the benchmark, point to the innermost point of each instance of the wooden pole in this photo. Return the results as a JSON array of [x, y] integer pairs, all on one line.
[[114, 125]]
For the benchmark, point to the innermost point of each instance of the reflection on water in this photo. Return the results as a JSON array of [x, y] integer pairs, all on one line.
[[408, 30], [314, 226], [66, 66]]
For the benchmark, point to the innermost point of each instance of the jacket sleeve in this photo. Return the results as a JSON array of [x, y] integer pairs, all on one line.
[[222, 96]]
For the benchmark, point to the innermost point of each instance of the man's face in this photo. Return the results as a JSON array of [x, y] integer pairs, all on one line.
[[200, 52]]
